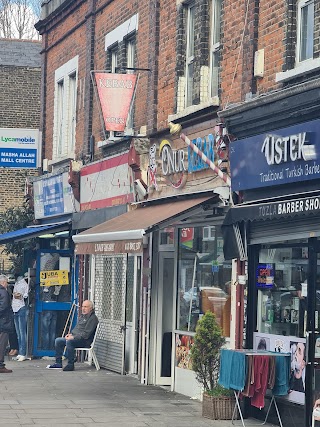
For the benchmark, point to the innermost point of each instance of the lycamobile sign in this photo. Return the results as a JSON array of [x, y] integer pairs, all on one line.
[[26, 140], [19, 148]]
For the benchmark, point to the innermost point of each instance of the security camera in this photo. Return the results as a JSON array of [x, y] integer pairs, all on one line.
[[141, 189]]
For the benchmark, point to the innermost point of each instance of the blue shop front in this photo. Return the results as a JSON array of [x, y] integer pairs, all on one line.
[[50, 267]]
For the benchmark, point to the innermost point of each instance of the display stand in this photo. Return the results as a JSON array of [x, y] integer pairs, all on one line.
[[273, 399], [237, 404]]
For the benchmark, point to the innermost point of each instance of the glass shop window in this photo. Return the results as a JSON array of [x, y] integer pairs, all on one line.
[[204, 278], [281, 280]]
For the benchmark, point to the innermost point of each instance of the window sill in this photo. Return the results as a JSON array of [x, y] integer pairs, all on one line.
[[303, 68], [213, 102], [61, 160]]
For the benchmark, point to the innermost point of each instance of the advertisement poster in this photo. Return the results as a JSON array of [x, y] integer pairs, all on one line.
[[297, 349], [183, 346], [54, 278]]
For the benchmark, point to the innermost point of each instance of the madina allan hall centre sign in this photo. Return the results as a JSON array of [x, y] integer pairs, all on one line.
[[19, 148]]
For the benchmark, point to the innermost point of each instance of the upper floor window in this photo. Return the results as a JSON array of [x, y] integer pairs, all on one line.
[[65, 103], [215, 15], [190, 55], [305, 28], [130, 57]]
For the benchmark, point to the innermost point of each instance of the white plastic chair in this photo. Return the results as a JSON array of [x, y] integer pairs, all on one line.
[[90, 350]]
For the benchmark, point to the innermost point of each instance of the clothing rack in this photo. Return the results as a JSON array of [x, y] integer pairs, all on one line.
[[237, 392]]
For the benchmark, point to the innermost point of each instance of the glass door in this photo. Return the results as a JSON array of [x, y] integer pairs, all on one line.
[[53, 298], [313, 338], [164, 318]]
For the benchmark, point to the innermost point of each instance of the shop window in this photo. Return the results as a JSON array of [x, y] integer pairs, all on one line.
[[281, 281], [167, 236], [204, 278]]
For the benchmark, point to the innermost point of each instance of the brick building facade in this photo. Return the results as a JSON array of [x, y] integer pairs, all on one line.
[[20, 79]]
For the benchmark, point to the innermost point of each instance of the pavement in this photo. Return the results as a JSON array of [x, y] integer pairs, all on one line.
[[35, 396]]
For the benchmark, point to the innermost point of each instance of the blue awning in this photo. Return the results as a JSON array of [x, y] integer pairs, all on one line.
[[30, 232]]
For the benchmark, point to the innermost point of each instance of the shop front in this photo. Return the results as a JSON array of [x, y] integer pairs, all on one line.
[[276, 175], [189, 273], [123, 255]]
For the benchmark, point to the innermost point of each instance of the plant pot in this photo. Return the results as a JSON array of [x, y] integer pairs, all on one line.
[[219, 408]]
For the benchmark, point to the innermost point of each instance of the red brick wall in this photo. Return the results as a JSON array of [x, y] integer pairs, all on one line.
[[265, 28]]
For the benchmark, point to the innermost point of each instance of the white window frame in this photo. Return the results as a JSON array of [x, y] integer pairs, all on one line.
[[65, 103], [130, 55], [214, 46], [301, 5], [190, 10]]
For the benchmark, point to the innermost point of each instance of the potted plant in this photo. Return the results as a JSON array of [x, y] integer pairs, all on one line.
[[218, 403]]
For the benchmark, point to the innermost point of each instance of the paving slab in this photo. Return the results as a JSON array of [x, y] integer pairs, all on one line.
[[35, 396]]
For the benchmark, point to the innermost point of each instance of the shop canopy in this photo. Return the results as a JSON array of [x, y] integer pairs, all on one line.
[[125, 233], [33, 231], [234, 224]]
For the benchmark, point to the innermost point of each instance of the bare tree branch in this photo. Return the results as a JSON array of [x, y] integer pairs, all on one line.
[[17, 18]]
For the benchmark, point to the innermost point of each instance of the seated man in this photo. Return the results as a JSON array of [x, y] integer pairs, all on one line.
[[81, 336]]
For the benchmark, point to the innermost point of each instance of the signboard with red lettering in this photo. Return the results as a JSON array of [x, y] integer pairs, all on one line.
[[115, 93]]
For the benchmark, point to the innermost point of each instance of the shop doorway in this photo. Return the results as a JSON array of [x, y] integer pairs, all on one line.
[[116, 292], [313, 338], [164, 321], [53, 298]]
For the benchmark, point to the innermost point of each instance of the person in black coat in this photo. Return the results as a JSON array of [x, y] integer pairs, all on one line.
[[6, 321]]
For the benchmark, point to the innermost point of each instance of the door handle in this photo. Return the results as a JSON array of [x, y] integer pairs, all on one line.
[[122, 329]]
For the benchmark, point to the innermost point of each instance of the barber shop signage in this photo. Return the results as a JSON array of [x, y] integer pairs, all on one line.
[[279, 157]]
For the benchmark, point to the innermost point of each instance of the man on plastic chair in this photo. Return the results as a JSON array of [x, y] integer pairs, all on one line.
[[81, 336]]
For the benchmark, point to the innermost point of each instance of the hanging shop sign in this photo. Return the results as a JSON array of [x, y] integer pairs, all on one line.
[[283, 156], [115, 94], [19, 148], [53, 196], [54, 278]]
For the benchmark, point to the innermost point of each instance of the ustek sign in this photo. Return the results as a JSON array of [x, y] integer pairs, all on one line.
[[283, 156], [19, 148]]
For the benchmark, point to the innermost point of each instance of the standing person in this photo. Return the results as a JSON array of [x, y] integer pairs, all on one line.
[[13, 338], [6, 321], [81, 336], [20, 294]]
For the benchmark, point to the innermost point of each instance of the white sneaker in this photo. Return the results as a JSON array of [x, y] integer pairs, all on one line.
[[17, 357], [21, 358]]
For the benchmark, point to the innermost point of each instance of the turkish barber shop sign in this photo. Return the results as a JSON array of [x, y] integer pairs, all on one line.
[[282, 156]]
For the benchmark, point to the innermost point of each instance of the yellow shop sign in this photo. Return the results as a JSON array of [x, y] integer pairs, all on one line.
[[54, 278]]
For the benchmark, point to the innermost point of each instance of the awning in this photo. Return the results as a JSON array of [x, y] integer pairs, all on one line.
[[273, 210], [30, 232], [125, 232], [234, 228]]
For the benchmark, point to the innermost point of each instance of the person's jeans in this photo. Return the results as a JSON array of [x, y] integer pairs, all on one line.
[[20, 322], [71, 345], [48, 329]]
